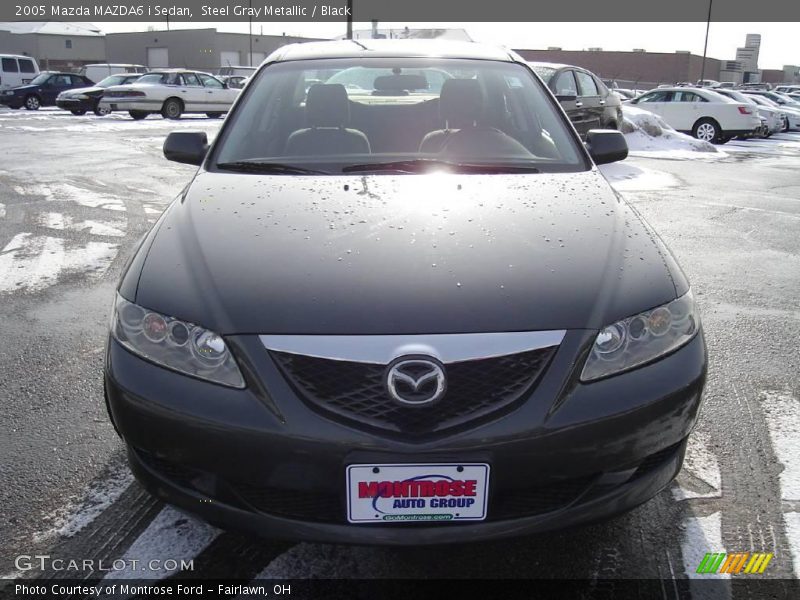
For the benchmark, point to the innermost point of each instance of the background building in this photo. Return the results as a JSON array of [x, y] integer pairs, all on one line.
[[202, 49], [55, 46]]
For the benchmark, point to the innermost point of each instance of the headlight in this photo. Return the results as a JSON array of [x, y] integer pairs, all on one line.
[[642, 338], [81, 96], [174, 344]]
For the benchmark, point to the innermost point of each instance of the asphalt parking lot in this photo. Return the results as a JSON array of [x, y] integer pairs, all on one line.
[[76, 193]]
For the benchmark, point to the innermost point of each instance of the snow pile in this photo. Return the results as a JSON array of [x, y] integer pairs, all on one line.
[[647, 132]]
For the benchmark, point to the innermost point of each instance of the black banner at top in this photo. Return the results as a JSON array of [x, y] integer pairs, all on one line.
[[401, 10]]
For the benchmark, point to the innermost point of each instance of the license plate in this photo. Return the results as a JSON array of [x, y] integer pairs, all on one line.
[[400, 493]]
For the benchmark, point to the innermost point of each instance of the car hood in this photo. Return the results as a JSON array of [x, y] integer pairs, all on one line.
[[245, 254], [25, 88], [84, 90]]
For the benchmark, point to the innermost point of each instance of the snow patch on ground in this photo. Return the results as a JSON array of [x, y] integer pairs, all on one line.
[[33, 263], [60, 221], [700, 476], [77, 514], [67, 192], [171, 536], [626, 177], [792, 521], [702, 535], [782, 411], [649, 135]]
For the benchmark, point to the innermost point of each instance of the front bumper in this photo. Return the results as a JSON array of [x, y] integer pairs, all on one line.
[[12, 101], [264, 462], [123, 104], [75, 104]]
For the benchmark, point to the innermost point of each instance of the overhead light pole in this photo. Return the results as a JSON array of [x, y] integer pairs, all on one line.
[[705, 46], [349, 19], [250, 36]]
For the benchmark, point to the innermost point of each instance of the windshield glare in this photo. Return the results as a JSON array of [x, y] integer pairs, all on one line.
[[112, 80], [40, 79], [151, 78], [330, 114]]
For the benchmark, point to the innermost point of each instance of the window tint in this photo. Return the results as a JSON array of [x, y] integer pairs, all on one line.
[[587, 85], [26, 65], [303, 113], [211, 82], [10, 65], [59, 80], [153, 78], [656, 97], [191, 80], [686, 97], [565, 84]]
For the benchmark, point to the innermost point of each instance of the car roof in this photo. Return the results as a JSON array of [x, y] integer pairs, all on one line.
[[157, 71], [682, 88], [552, 65], [390, 49]]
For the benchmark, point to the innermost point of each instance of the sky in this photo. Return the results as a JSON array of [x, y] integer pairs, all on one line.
[[779, 45]]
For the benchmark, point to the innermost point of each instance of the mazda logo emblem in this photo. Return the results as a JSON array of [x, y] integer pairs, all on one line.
[[415, 381]]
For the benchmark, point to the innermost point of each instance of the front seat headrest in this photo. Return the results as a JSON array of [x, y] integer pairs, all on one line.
[[327, 105], [461, 102]]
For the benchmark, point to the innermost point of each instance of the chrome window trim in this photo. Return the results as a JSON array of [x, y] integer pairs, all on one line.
[[383, 349]]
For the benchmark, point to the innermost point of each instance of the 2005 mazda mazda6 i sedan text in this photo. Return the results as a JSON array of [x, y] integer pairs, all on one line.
[[404, 309]]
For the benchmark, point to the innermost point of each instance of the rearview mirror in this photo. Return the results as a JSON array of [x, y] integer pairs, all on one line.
[[188, 147], [566, 97], [606, 146]]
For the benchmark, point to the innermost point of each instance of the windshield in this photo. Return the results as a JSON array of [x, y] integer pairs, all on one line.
[[112, 80], [343, 115], [545, 72], [151, 78], [40, 78]]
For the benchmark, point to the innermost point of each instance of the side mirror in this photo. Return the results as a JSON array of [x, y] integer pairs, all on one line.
[[606, 146], [188, 147], [566, 97]]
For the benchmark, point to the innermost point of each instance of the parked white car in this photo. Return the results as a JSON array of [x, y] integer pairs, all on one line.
[[171, 92], [774, 117], [792, 114], [701, 112]]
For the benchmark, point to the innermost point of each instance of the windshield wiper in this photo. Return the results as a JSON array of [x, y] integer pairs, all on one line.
[[421, 165], [252, 166]]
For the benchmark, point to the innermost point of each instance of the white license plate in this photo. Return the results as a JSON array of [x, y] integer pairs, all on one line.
[[417, 492]]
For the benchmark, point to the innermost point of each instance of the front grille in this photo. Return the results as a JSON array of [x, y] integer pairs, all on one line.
[[297, 504], [355, 392], [655, 460], [330, 508]]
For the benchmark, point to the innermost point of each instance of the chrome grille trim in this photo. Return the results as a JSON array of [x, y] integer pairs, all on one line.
[[383, 349]]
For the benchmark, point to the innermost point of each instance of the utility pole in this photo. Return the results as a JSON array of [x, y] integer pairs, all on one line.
[[349, 19], [705, 46], [250, 36]]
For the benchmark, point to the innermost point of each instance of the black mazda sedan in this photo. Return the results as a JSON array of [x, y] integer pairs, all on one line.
[[398, 313], [82, 100]]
